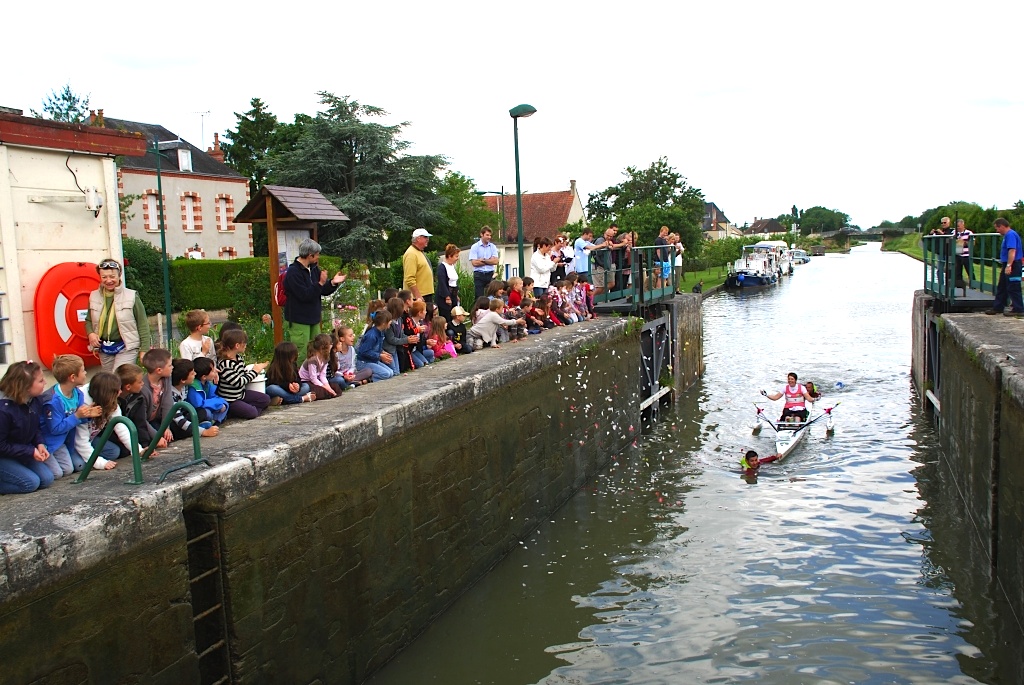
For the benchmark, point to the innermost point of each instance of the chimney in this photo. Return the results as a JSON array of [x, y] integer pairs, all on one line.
[[215, 151], [92, 117], [572, 187], [99, 118]]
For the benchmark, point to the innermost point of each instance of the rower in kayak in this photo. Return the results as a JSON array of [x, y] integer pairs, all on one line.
[[795, 395]]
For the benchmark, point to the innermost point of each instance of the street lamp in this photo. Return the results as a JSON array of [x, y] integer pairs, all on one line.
[[517, 112], [157, 149], [501, 205]]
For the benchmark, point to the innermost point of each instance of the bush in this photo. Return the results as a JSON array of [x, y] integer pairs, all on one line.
[[144, 272], [249, 291], [203, 283]]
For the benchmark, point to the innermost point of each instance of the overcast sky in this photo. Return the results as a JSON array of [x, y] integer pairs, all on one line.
[[877, 109]]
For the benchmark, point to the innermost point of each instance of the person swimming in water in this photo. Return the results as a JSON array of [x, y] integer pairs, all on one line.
[[750, 462]]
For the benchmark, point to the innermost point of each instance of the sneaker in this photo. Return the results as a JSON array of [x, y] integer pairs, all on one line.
[[1013, 314], [992, 312], [276, 401]]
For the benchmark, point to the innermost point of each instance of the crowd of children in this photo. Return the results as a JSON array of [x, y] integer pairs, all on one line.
[[49, 433]]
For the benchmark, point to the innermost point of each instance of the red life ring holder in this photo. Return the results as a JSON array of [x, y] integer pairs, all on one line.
[[61, 308]]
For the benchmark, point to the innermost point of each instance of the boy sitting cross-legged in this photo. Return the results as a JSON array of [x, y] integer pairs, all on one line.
[[182, 374], [203, 391]]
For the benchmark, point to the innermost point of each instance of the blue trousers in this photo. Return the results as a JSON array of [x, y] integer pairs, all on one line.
[[381, 371], [16, 477], [288, 397]]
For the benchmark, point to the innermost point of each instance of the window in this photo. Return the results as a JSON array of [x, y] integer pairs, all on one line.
[[227, 253], [184, 160], [151, 211], [191, 212], [225, 213]]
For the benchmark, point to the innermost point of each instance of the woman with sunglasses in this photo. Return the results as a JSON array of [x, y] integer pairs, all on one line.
[[117, 325]]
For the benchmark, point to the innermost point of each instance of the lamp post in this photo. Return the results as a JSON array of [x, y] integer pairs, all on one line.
[[501, 205], [157, 149], [516, 113]]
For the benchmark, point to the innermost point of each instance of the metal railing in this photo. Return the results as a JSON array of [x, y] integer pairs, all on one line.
[[137, 459], [643, 282], [943, 271]]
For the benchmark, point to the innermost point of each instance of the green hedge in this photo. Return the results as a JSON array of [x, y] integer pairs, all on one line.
[[207, 283]]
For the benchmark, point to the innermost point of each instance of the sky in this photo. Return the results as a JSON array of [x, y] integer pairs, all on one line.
[[876, 109]]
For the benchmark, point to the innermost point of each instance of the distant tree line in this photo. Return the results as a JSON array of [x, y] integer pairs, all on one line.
[[977, 218]]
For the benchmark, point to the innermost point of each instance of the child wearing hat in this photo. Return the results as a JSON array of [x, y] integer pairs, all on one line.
[[457, 331]]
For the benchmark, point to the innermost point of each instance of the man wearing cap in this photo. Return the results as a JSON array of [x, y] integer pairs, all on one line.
[[483, 257], [304, 285], [417, 276]]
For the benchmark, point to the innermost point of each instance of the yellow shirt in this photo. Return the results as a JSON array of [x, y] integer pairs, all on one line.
[[416, 272]]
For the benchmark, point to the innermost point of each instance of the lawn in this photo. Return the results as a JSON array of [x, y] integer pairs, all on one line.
[[711, 277], [909, 245]]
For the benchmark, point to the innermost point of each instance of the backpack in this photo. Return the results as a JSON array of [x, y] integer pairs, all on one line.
[[279, 295]]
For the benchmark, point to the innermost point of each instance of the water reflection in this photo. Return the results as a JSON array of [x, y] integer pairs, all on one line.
[[846, 563]]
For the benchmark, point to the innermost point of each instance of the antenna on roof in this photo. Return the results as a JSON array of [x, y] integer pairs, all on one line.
[[202, 128]]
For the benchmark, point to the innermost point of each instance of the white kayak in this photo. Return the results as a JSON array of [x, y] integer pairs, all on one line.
[[789, 434]]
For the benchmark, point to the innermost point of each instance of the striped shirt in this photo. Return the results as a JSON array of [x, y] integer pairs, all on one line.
[[233, 378]]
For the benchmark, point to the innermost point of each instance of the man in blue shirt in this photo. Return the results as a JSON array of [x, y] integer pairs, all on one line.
[[483, 257], [581, 259], [1010, 254]]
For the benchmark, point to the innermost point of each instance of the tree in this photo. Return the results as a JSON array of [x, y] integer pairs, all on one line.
[[786, 220], [649, 199], [66, 106], [250, 144], [821, 220], [358, 164], [463, 210]]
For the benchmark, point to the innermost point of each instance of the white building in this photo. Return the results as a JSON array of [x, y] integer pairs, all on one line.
[[53, 176]]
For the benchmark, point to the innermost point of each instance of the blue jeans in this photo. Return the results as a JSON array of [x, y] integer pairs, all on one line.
[[288, 397], [16, 477], [381, 371]]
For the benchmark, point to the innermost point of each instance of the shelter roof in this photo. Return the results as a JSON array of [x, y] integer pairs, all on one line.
[[290, 204]]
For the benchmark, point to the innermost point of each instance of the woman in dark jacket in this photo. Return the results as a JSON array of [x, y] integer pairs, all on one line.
[[446, 291]]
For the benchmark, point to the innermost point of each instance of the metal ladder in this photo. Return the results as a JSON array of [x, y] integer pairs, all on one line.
[[206, 587]]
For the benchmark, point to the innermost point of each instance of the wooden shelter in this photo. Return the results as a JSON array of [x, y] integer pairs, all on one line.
[[282, 207]]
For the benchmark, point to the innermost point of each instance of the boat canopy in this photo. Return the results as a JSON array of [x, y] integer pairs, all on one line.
[[772, 243]]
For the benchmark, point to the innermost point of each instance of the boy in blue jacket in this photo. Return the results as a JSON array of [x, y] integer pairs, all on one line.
[[202, 393], [63, 409]]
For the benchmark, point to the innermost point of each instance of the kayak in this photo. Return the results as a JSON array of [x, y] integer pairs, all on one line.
[[789, 434]]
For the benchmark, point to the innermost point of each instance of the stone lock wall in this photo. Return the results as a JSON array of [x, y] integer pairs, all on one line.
[[331, 574], [341, 529]]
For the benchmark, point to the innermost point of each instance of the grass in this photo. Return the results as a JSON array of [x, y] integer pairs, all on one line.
[[711, 277], [909, 245]]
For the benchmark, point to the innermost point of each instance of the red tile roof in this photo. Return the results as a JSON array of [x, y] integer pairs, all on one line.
[[544, 214]]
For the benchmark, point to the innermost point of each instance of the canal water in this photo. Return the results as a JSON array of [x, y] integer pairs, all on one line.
[[846, 563]]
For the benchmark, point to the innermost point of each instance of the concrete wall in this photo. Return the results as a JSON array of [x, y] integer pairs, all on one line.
[[343, 527], [981, 393]]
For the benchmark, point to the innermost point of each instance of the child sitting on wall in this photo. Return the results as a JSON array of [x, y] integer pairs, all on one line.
[[22, 451], [197, 344], [485, 331], [132, 406], [314, 370], [344, 340], [203, 391], [457, 332], [439, 335], [370, 352], [283, 379], [63, 409], [234, 376], [103, 391], [156, 391], [183, 372]]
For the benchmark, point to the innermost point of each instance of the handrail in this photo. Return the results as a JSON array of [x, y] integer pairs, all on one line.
[[645, 283], [942, 269], [136, 458]]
